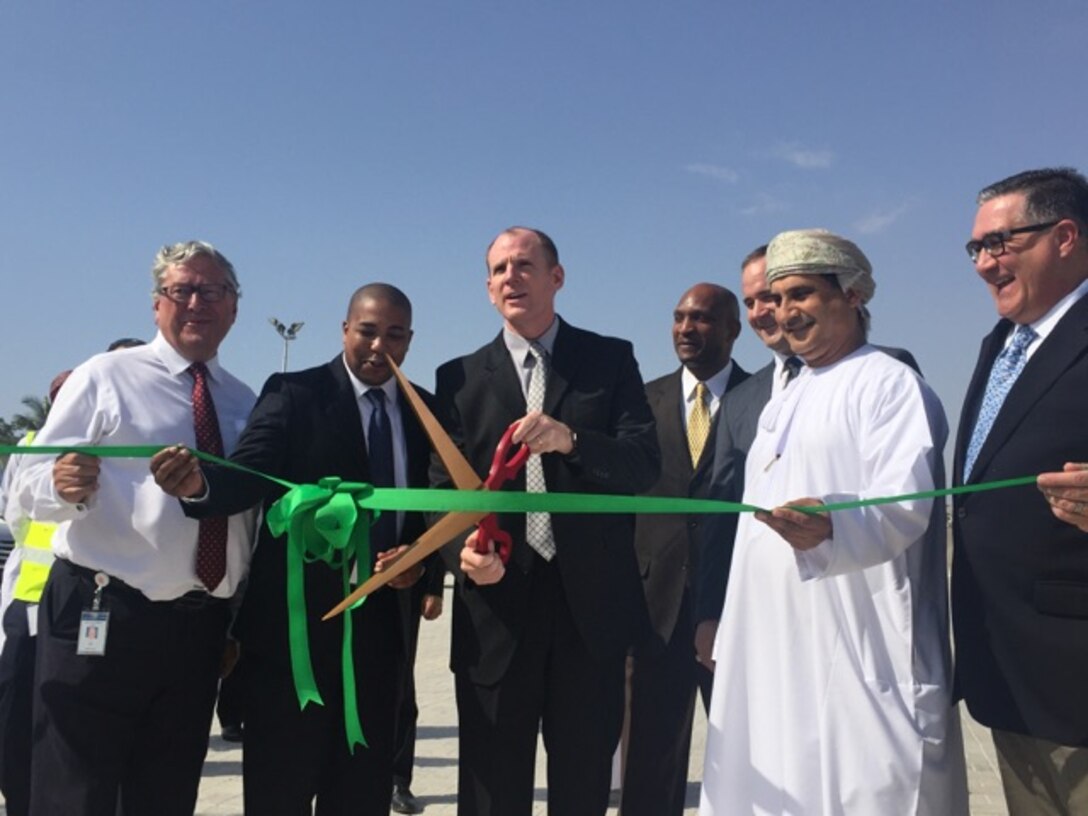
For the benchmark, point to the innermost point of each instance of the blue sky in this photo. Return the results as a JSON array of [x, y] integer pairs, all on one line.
[[322, 146]]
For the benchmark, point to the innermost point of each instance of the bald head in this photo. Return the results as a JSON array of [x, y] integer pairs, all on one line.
[[705, 323], [384, 292]]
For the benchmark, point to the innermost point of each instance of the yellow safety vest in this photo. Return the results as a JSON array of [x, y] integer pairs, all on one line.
[[36, 540]]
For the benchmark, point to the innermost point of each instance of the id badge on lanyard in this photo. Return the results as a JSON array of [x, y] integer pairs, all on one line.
[[94, 623]]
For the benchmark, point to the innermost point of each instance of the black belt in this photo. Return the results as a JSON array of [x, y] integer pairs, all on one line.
[[195, 601]]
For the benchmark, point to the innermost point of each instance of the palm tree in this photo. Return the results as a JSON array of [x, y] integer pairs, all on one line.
[[8, 436], [12, 430], [38, 409]]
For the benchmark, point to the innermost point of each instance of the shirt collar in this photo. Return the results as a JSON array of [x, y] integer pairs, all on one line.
[[716, 384], [518, 346], [360, 387], [178, 365], [1045, 324]]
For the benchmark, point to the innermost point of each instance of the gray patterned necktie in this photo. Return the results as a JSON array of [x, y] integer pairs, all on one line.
[[538, 526], [1007, 367]]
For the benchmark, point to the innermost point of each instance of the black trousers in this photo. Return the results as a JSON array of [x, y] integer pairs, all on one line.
[[663, 685], [230, 706], [404, 739], [296, 762], [131, 725], [16, 697], [556, 686]]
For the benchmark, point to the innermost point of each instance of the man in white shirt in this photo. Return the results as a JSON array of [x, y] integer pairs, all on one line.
[[836, 694], [130, 638]]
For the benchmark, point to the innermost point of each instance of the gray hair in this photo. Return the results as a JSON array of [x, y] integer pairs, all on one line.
[[173, 254], [1050, 194]]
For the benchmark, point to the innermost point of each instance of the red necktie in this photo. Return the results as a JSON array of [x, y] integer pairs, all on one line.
[[211, 543]]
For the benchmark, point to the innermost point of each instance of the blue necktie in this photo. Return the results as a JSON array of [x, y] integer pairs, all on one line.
[[1006, 369], [383, 533]]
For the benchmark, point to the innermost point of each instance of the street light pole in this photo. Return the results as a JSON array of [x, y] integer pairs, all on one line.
[[288, 333]]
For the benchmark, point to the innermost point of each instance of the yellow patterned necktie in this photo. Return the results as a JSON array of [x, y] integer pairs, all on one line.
[[698, 423]]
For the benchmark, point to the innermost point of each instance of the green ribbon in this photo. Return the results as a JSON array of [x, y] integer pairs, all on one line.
[[482, 501], [323, 523], [415, 499]]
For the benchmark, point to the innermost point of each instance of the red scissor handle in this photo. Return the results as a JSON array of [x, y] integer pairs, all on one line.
[[504, 467], [488, 531]]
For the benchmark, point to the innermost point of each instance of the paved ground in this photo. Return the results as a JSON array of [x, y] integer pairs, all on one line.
[[436, 752]]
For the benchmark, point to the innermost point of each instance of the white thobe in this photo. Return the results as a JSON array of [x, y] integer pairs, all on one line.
[[832, 690]]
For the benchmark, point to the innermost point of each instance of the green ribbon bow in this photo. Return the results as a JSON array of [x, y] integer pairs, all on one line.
[[323, 522]]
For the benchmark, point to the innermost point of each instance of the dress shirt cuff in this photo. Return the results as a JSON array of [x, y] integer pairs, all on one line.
[[203, 497], [54, 510]]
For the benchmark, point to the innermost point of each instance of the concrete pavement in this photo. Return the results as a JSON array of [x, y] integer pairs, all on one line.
[[435, 780]]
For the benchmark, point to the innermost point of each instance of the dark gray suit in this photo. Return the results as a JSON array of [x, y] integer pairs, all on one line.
[[547, 643], [673, 565]]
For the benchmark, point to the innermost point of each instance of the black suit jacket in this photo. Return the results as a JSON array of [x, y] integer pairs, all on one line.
[[1019, 575], [670, 548], [307, 425], [594, 386]]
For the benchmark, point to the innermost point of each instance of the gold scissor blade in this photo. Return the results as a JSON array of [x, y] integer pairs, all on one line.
[[461, 472], [444, 531]]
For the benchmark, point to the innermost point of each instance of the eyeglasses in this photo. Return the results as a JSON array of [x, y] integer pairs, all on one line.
[[994, 242], [208, 292]]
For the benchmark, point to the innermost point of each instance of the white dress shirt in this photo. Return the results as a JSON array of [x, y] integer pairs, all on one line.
[[129, 528], [716, 385]]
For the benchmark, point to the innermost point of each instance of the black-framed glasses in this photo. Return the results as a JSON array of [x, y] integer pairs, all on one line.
[[207, 292], [994, 242]]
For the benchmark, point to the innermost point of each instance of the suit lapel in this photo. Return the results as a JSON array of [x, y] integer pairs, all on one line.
[[1062, 347], [991, 347], [565, 362], [415, 437], [744, 418], [346, 423], [502, 379], [706, 459], [668, 402]]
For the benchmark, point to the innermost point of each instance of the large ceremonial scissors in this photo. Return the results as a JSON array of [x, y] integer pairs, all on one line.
[[504, 467]]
